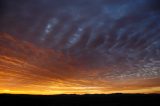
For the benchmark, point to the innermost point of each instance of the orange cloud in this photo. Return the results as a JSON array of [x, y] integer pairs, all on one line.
[[28, 69]]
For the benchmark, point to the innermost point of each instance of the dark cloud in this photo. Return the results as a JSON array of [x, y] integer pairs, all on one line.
[[120, 39]]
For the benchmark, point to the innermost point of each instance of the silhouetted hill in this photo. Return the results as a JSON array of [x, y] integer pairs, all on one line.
[[81, 100]]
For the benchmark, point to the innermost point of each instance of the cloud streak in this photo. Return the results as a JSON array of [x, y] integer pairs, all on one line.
[[104, 45], [39, 69]]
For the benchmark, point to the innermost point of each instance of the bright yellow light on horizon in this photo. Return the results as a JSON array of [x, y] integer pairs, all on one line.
[[79, 90]]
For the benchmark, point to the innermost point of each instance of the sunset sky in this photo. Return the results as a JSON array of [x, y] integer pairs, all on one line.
[[79, 46]]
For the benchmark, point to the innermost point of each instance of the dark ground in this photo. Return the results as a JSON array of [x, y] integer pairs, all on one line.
[[81, 100]]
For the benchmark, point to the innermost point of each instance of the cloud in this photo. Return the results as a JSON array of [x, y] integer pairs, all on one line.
[[71, 43], [25, 68]]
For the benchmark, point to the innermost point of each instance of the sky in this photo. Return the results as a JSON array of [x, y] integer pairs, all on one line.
[[79, 46]]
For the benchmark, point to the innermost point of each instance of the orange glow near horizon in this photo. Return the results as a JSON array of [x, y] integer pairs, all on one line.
[[27, 69], [79, 91]]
